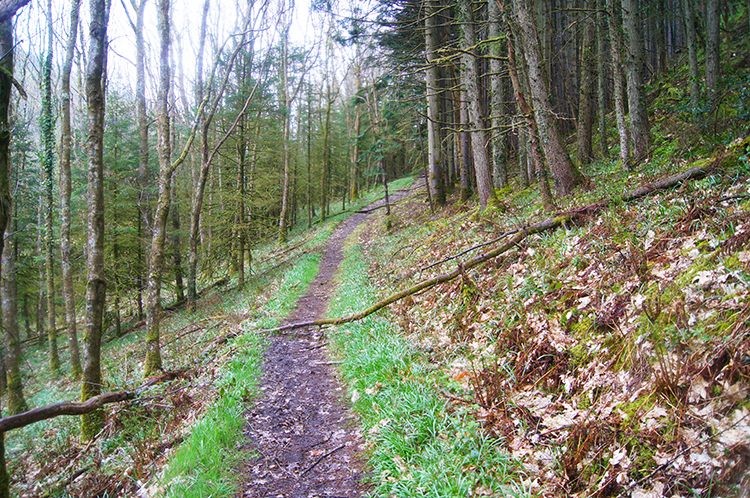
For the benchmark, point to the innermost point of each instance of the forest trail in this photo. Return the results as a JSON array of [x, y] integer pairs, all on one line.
[[305, 438]]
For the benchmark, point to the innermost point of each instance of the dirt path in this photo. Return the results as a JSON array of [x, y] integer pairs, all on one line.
[[301, 428]]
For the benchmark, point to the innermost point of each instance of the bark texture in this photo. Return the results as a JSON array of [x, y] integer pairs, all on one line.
[[688, 9], [96, 282], [564, 172], [497, 93], [586, 96], [65, 196], [639, 127], [618, 78], [9, 298], [153, 362], [477, 127], [144, 202], [434, 141], [47, 133], [712, 49]]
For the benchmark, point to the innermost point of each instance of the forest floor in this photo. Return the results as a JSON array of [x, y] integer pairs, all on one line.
[[301, 431]]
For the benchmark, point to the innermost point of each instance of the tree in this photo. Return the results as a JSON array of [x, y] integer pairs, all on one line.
[[47, 133], [470, 80], [207, 157], [601, 76], [688, 10], [639, 127], [497, 92], [65, 194], [533, 132], [712, 49], [12, 340], [618, 78], [144, 202], [287, 96], [432, 75], [587, 86], [567, 177], [96, 286], [166, 169]]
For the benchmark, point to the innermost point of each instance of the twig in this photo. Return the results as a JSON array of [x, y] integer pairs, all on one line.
[[320, 459], [679, 454], [478, 246]]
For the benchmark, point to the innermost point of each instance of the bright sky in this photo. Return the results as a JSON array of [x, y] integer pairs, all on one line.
[[186, 20]]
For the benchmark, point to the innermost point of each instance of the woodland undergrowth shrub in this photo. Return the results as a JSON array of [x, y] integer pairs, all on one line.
[[420, 445]]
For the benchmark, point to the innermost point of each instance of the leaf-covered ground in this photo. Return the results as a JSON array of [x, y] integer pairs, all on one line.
[[610, 357]]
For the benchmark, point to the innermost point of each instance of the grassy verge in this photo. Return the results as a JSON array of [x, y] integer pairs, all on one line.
[[421, 445]]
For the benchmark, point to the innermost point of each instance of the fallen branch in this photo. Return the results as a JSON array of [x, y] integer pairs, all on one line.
[[664, 184], [426, 284], [375, 208], [63, 408], [695, 173], [520, 234], [72, 408]]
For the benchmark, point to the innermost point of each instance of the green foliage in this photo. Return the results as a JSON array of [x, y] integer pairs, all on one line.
[[206, 464], [420, 447]]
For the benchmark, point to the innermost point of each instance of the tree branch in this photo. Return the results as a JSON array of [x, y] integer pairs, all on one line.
[[63, 408]]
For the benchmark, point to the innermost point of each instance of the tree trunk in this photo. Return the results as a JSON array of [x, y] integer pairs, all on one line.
[[618, 77], [9, 298], [601, 79], [6, 64], [566, 175], [586, 87], [144, 202], [153, 308], [207, 157], [536, 153], [470, 80], [65, 196], [308, 160], [712, 49], [434, 140], [464, 146], [96, 285], [241, 150], [286, 111], [325, 177], [356, 129], [202, 177], [497, 92], [177, 255], [639, 126], [47, 133], [40, 329], [688, 9]]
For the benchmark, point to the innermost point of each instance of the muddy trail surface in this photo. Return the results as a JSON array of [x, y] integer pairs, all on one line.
[[304, 436]]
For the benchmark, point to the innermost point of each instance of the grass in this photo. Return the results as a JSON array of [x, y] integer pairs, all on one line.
[[205, 464], [420, 445]]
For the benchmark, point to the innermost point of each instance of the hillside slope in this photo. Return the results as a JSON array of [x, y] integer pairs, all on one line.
[[609, 357]]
